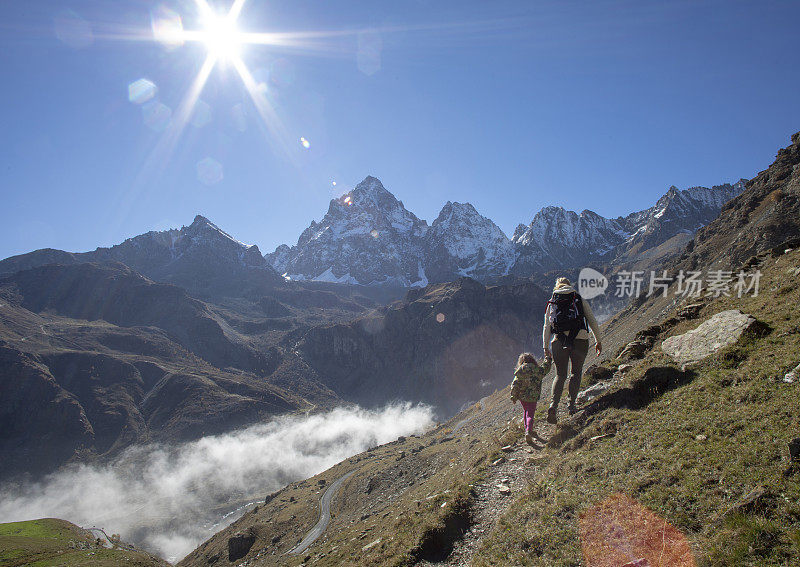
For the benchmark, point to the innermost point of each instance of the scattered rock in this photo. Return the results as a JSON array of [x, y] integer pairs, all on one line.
[[751, 501], [651, 331], [716, 333], [504, 489], [592, 392], [701, 437], [507, 449], [623, 368], [240, 544], [596, 373], [634, 349], [321, 482], [691, 311], [498, 461], [371, 545], [791, 376]]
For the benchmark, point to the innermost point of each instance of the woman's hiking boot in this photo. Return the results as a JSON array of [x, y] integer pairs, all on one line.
[[551, 415], [529, 439]]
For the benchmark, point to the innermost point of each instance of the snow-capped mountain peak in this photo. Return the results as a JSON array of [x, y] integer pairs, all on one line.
[[462, 242], [367, 236]]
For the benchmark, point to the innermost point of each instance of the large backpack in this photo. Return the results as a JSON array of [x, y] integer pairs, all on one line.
[[566, 316]]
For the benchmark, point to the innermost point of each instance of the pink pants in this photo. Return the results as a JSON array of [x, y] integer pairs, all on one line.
[[528, 409]]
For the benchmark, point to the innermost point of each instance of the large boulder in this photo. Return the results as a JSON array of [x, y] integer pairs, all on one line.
[[716, 333]]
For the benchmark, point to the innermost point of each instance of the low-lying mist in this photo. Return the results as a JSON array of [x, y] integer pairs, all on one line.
[[169, 499]]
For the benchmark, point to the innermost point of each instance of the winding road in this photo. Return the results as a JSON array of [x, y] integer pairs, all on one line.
[[324, 515]]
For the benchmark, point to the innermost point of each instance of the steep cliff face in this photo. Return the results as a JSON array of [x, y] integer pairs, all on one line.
[[446, 344]]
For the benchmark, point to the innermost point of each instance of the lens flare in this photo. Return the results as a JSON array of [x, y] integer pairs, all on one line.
[[209, 171], [167, 26], [440, 317], [374, 233], [139, 92], [348, 200], [157, 115], [305, 143]]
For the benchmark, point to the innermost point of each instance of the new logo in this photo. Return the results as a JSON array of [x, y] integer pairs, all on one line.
[[591, 283]]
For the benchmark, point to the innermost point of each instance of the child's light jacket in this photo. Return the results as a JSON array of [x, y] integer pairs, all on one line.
[[527, 383]]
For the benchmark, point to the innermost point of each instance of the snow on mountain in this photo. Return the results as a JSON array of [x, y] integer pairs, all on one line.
[[677, 211], [557, 238], [462, 242], [367, 236]]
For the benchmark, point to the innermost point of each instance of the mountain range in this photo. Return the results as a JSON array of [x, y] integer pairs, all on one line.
[[368, 237]]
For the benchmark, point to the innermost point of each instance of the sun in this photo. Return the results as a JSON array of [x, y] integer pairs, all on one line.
[[221, 37]]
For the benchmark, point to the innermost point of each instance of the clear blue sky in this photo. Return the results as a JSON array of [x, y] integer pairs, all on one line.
[[511, 106]]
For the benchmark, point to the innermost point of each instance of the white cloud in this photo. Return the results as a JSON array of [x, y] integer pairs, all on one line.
[[168, 499]]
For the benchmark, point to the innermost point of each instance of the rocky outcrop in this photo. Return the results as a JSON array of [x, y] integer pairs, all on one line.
[[718, 332], [757, 222], [239, 545]]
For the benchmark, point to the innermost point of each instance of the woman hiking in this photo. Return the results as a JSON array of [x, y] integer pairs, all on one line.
[[565, 337]]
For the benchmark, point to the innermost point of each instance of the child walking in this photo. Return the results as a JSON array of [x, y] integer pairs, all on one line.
[[527, 387]]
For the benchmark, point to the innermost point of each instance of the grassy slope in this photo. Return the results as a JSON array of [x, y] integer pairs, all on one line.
[[51, 542], [687, 446], [697, 447]]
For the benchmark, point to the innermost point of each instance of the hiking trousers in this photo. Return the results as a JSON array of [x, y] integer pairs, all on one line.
[[563, 358], [528, 409]]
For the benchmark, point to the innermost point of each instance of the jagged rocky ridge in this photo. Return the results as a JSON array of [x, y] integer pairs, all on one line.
[[200, 257], [368, 237]]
